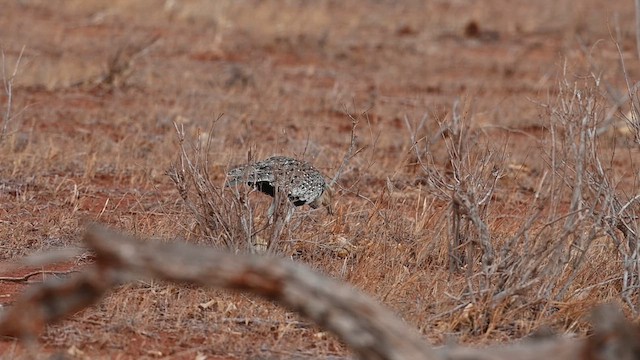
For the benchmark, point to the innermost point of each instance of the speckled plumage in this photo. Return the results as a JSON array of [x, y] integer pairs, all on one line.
[[303, 184]]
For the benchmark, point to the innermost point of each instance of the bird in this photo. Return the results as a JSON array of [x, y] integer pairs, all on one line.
[[302, 183]]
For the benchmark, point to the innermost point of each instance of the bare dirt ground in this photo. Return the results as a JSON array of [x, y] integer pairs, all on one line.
[[101, 84]]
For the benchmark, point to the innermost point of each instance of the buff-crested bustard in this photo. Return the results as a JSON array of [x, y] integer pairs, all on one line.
[[298, 180]]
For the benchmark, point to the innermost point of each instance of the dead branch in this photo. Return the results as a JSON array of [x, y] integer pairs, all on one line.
[[368, 328], [28, 276], [53, 300]]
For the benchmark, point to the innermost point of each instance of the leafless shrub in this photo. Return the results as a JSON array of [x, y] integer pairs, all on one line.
[[221, 218], [599, 205], [575, 205], [574, 219], [467, 183], [615, 210]]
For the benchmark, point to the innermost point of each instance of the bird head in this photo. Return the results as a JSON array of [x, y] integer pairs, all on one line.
[[236, 176]]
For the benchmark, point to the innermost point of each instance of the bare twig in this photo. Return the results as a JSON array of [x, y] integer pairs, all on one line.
[[349, 154], [8, 88]]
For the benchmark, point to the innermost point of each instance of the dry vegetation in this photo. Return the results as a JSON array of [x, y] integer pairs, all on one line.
[[493, 191]]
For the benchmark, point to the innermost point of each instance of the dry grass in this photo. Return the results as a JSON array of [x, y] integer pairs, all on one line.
[[482, 221]]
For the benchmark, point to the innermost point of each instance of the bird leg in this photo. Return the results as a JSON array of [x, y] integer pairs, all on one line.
[[276, 205], [280, 201], [290, 211], [271, 211]]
